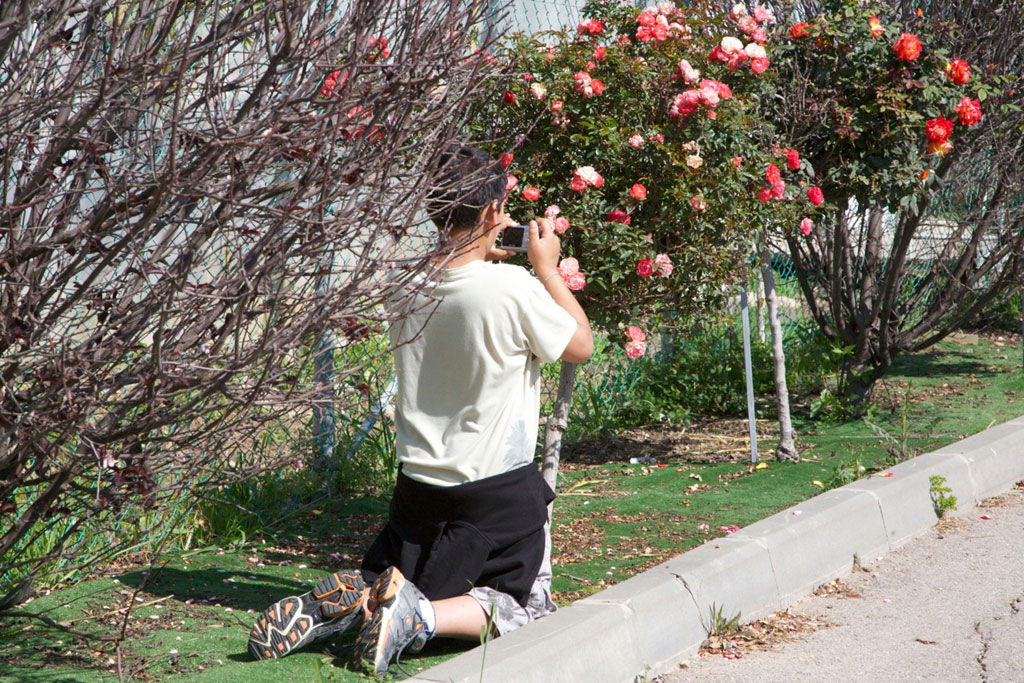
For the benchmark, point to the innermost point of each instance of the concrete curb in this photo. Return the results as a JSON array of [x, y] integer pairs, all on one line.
[[650, 622]]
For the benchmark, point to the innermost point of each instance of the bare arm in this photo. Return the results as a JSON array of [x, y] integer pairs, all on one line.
[[543, 251]]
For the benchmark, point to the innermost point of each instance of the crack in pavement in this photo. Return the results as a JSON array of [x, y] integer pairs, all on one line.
[[986, 638], [986, 641]]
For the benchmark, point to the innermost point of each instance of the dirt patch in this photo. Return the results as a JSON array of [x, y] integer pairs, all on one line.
[[711, 440], [763, 634], [836, 589], [575, 540]]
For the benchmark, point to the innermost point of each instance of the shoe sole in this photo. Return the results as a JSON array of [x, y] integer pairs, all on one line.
[[285, 627], [376, 631]]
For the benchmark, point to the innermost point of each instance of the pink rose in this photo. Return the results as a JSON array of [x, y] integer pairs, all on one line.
[[635, 349], [510, 182], [644, 34], [723, 90], [561, 224], [531, 194], [698, 203], [634, 333], [656, 137], [737, 161], [638, 192], [600, 53], [556, 106], [717, 54], [687, 72], [763, 15], [773, 174], [660, 32], [576, 281], [815, 196], [764, 195], [806, 226], [759, 65], [738, 11], [552, 211], [568, 266], [644, 267], [663, 264], [577, 184], [636, 141], [747, 24], [538, 91], [759, 36], [778, 190], [645, 18]]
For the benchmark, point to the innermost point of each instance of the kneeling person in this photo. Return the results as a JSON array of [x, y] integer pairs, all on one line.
[[467, 541]]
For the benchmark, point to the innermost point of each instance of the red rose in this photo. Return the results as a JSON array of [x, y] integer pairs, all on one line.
[[509, 97], [331, 82], [969, 111], [505, 159], [644, 267], [938, 130], [638, 192], [600, 53], [531, 194], [908, 47], [619, 216], [793, 160], [577, 184], [764, 195], [799, 30], [815, 196], [597, 86], [958, 71], [773, 174]]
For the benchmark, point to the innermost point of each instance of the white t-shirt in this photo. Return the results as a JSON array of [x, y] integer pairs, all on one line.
[[468, 401]]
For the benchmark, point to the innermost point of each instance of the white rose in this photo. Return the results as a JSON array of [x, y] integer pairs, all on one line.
[[755, 51], [731, 44], [588, 174]]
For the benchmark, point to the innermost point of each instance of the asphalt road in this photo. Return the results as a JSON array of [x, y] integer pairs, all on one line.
[[948, 606]]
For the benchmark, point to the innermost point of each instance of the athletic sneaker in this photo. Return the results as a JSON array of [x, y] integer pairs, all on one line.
[[395, 622], [334, 604]]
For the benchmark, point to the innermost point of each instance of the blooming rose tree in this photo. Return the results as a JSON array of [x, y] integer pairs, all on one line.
[[640, 134], [911, 123]]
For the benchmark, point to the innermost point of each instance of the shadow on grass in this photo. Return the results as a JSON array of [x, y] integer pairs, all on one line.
[[209, 585], [950, 363]]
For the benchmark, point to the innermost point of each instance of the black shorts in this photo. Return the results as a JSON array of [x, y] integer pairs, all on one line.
[[450, 539]]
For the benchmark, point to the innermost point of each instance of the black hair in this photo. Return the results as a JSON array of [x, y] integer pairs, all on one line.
[[468, 180]]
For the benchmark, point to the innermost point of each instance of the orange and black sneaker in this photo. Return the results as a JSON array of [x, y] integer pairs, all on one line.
[[334, 604], [395, 623]]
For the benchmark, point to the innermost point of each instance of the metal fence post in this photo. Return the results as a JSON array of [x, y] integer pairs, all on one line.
[[324, 418], [749, 370]]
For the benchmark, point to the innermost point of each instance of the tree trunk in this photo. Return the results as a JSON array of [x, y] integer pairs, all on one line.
[[557, 423], [786, 450]]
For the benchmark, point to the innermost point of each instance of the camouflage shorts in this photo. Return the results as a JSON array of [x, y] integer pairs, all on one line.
[[508, 615]]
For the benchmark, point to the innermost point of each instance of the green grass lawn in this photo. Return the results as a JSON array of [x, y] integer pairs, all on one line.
[[612, 520]]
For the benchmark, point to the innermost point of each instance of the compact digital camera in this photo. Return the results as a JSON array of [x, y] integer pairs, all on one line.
[[515, 238]]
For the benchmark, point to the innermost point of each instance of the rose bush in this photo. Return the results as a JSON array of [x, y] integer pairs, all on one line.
[[882, 101], [641, 128]]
